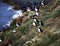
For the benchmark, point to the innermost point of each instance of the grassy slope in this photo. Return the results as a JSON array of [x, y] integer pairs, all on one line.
[[28, 35]]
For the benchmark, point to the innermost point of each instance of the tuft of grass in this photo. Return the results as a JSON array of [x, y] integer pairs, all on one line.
[[25, 27], [48, 39], [56, 12], [13, 24]]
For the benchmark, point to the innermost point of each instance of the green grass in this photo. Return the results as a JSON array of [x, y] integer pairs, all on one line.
[[25, 27], [48, 38]]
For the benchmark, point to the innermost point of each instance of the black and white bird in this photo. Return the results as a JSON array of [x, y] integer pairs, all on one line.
[[35, 20], [42, 3], [33, 16], [34, 23], [17, 24], [28, 9], [9, 45], [14, 31], [0, 40], [40, 30], [36, 9], [37, 13], [33, 8], [42, 23]]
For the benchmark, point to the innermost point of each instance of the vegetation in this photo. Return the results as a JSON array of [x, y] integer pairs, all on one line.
[[28, 35]]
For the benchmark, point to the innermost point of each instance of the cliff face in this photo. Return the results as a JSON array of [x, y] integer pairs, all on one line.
[[27, 35]]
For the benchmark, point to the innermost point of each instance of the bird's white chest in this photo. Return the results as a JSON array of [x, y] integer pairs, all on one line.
[[17, 25], [0, 40], [34, 20], [42, 3], [37, 13], [34, 24], [9, 45], [38, 30], [28, 10], [36, 9], [14, 31]]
